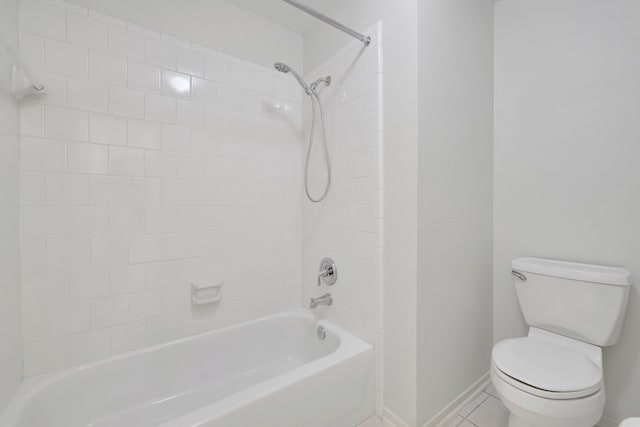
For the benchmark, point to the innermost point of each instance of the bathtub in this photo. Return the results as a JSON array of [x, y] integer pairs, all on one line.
[[271, 372]]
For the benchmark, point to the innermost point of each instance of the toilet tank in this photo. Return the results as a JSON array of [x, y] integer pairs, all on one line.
[[582, 301]]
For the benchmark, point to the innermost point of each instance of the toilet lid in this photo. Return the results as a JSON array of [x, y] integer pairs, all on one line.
[[545, 365]]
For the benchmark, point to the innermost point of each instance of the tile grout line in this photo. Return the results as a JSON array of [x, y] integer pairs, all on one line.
[[488, 396]]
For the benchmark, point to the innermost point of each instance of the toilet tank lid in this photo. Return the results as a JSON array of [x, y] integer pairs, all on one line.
[[573, 270]]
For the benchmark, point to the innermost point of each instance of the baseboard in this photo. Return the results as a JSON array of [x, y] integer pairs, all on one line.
[[608, 422], [449, 412], [392, 420]]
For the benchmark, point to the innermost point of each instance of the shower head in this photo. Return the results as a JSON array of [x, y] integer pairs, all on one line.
[[284, 68]]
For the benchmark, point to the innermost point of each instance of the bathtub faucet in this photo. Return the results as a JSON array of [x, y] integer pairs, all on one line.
[[321, 300]]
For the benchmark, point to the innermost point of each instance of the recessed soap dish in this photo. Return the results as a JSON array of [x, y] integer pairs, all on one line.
[[205, 292]]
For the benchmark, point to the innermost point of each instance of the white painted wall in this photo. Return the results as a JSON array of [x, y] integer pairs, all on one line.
[[398, 320], [215, 24], [566, 155], [10, 325], [149, 164], [347, 225], [455, 161]]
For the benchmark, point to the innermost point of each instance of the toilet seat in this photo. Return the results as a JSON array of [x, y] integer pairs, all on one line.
[[546, 369], [551, 395]]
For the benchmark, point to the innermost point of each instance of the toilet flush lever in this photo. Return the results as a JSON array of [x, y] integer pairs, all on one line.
[[519, 275]]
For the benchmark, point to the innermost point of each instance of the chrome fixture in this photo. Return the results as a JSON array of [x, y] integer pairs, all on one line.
[[321, 300], [519, 275], [322, 332], [324, 18], [328, 273], [325, 80], [313, 94], [284, 68]]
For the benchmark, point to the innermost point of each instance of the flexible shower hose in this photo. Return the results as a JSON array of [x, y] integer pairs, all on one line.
[[325, 145]]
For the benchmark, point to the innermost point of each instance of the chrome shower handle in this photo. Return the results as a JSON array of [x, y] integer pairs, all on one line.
[[328, 273], [322, 274]]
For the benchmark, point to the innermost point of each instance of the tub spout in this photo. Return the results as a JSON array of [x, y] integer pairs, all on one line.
[[321, 300]]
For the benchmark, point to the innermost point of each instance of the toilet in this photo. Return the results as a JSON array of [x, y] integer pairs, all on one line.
[[631, 422], [553, 376]]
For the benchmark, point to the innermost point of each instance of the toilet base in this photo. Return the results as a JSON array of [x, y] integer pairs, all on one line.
[[527, 410], [514, 421]]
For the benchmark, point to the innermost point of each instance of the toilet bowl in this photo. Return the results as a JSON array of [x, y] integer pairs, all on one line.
[[553, 377], [631, 422], [549, 380]]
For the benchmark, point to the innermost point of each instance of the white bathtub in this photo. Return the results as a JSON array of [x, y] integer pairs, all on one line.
[[272, 372]]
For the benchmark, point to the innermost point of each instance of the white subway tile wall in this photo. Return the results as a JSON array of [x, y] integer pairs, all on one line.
[[348, 226], [149, 164], [11, 351]]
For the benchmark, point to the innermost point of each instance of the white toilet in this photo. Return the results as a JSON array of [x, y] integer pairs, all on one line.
[[631, 422], [553, 376]]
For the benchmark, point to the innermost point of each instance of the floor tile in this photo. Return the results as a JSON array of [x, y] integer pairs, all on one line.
[[457, 421], [492, 391], [469, 407], [372, 422], [491, 413], [466, 423]]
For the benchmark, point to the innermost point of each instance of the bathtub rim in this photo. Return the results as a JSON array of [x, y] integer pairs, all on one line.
[[348, 345], [347, 348]]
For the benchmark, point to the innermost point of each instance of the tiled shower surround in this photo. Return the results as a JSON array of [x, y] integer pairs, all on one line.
[[348, 226], [10, 355], [149, 164], [10, 325]]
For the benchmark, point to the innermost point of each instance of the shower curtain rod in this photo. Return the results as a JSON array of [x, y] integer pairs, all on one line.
[[324, 18]]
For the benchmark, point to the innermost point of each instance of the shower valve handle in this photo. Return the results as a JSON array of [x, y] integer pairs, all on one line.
[[328, 273], [323, 273]]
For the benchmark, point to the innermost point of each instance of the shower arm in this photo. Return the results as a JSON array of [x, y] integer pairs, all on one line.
[[324, 18]]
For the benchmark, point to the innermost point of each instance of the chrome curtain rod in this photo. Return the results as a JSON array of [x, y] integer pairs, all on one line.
[[324, 18]]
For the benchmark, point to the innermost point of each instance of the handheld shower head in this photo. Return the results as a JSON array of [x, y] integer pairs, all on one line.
[[315, 98], [284, 68]]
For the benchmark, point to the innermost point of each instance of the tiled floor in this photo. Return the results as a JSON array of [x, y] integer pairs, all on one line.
[[484, 411], [373, 422], [487, 410]]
